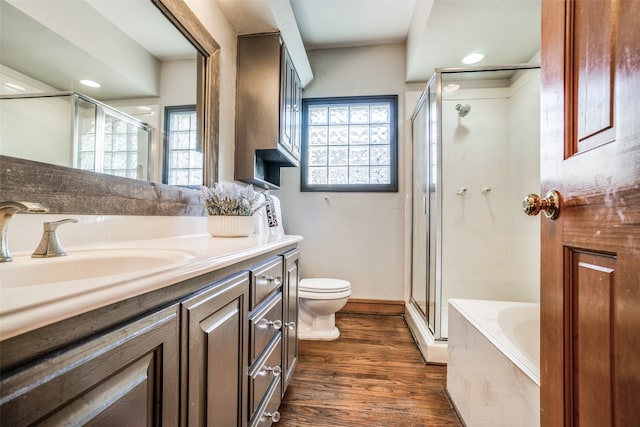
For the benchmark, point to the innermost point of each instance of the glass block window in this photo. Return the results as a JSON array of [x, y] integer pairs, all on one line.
[[183, 160], [120, 154], [349, 144], [110, 142]]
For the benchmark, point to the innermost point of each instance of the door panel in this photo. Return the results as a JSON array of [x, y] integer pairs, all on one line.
[[125, 377], [215, 354], [290, 321], [591, 290], [592, 70], [590, 153]]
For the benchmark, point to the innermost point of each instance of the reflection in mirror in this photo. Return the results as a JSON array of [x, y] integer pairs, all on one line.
[[73, 191], [137, 64]]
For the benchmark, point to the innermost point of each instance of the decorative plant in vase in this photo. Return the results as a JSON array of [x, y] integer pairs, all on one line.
[[231, 208]]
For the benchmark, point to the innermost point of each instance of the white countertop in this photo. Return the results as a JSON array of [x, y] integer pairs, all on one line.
[[25, 308]]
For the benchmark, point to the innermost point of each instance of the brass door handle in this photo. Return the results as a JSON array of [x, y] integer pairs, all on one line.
[[533, 204]]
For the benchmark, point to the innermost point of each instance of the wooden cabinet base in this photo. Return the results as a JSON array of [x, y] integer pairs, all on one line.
[[131, 373]]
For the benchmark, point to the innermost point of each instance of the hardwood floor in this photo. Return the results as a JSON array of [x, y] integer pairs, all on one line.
[[373, 375]]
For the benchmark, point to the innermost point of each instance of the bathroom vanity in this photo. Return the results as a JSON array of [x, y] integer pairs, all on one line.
[[210, 341]]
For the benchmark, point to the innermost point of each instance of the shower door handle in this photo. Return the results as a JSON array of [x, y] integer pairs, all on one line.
[[533, 204]]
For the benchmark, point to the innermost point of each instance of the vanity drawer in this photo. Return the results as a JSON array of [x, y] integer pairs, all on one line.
[[264, 324], [264, 279], [268, 413], [266, 371]]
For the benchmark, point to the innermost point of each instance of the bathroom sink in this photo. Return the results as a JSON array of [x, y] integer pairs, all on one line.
[[88, 265]]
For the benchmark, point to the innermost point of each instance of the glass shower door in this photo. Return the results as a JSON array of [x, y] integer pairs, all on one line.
[[486, 140], [420, 194], [475, 152], [434, 185]]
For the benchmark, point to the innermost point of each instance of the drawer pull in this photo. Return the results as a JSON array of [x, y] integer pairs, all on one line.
[[275, 370], [290, 325], [277, 280], [275, 324], [275, 416]]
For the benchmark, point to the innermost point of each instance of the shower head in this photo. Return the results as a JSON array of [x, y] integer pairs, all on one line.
[[463, 110]]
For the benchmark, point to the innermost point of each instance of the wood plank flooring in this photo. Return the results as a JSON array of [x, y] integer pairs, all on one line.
[[373, 375]]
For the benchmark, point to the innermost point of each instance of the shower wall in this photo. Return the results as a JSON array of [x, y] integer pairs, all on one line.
[[22, 136], [490, 161]]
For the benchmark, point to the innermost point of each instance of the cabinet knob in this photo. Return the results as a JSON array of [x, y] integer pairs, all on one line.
[[275, 324], [275, 416], [275, 370], [290, 325], [277, 280]]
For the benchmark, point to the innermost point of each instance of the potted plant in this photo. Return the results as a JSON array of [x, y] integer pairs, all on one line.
[[231, 208]]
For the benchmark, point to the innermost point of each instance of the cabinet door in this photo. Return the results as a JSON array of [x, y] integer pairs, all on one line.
[[287, 100], [127, 377], [296, 115], [290, 328], [215, 354]]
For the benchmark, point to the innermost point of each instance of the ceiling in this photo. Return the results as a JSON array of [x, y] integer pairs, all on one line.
[[116, 43], [438, 33]]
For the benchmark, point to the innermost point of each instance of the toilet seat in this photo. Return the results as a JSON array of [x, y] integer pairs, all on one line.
[[324, 286]]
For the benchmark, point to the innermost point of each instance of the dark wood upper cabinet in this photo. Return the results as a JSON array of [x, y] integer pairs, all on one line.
[[269, 109]]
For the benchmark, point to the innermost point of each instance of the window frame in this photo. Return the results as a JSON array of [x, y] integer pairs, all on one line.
[[191, 108], [392, 187]]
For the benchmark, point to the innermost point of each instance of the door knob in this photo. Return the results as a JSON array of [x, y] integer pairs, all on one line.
[[533, 204]]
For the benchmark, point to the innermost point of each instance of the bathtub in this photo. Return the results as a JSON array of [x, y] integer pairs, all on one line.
[[493, 370]]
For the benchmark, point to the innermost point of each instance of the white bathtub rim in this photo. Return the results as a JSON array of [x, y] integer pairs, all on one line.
[[498, 339]]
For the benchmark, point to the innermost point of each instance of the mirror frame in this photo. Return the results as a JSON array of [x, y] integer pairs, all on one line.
[[72, 191]]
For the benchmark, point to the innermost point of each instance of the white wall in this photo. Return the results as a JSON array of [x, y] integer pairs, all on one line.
[[490, 249], [47, 139], [353, 236], [524, 164]]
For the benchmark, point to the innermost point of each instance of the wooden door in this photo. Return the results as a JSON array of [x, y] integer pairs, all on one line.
[[590, 281]]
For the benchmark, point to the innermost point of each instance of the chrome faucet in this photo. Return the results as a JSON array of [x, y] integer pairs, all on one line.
[[7, 210], [50, 246]]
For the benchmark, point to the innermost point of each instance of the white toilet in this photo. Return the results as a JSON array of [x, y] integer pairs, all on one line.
[[319, 299]]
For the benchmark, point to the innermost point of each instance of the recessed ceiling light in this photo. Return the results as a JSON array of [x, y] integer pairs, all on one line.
[[144, 108], [90, 83], [472, 58], [452, 87]]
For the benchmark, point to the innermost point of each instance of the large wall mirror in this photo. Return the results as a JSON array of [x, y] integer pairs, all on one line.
[[61, 139]]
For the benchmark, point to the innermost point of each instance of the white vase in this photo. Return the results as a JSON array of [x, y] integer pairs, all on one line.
[[230, 226]]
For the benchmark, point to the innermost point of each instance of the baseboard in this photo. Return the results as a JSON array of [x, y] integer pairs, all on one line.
[[374, 306], [434, 352]]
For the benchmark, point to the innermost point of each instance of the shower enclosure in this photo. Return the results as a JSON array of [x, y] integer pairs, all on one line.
[[475, 155], [74, 130]]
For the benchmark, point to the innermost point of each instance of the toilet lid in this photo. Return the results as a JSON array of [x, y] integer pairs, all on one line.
[[324, 285]]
